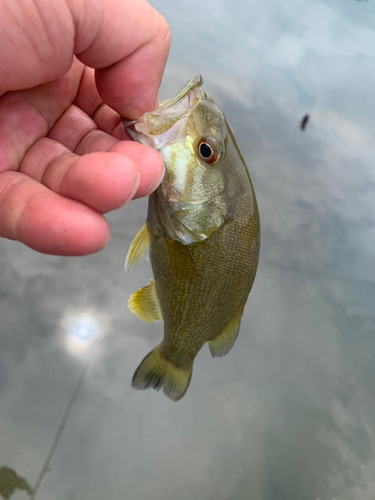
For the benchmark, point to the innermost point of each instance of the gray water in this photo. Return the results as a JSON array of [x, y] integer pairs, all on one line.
[[289, 413]]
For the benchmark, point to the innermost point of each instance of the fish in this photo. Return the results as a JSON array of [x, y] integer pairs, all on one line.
[[202, 235]]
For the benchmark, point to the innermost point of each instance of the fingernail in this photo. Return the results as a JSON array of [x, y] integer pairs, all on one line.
[[136, 186]]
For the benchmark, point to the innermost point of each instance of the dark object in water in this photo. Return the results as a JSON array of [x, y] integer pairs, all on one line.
[[10, 482], [304, 122]]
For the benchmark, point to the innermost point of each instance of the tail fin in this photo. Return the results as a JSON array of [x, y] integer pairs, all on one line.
[[155, 371]]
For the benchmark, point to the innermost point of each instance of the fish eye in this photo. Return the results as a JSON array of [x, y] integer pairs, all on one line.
[[208, 151]]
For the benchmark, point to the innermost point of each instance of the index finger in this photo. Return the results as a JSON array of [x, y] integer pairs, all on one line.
[[129, 50]]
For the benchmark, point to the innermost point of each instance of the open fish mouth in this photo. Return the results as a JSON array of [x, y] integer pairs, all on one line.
[[177, 105], [156, 128], [186, 98]]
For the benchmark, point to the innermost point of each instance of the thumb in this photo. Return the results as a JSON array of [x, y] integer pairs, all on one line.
[[127, 42]]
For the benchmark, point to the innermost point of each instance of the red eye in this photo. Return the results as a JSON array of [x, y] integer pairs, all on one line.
[[208, 151]]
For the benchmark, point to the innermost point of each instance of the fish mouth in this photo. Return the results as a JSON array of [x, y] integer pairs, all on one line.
[[174, 108], [193, 90]]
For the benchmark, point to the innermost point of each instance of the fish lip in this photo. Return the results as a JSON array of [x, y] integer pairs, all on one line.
[[192, 87], [194, 83]]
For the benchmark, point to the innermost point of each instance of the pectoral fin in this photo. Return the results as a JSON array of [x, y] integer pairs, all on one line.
[[223, 343], [139, 248], [145, 303]]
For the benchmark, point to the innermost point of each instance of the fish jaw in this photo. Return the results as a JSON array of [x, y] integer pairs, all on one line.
[[155, 128]]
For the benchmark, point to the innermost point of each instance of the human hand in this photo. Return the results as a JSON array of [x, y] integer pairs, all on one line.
[[64, 156]]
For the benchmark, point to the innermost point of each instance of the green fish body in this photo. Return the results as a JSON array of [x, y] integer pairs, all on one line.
[[203, 236]]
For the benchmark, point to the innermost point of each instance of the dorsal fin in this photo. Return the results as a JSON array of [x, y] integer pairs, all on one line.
[[139, 248], [145, 303]]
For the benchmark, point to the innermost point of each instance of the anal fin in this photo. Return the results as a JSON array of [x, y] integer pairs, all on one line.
[[139, 248], [145, 303], [223, 343]]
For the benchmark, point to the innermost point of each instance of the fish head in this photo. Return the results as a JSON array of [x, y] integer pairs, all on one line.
[[192, 136]]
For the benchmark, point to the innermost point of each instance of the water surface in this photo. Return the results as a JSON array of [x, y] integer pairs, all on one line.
[[289, 413]]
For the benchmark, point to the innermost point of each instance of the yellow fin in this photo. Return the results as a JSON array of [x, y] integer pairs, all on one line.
[[139, 248], [145, 303], [156, 372], [223, 343]]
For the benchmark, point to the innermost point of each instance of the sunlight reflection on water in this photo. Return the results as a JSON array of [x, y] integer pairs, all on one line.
[[81, 331]]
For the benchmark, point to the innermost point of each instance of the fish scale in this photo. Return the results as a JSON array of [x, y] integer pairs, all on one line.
[[203, 235]]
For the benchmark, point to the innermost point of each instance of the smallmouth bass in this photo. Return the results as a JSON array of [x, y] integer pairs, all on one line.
[[202, 233]]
